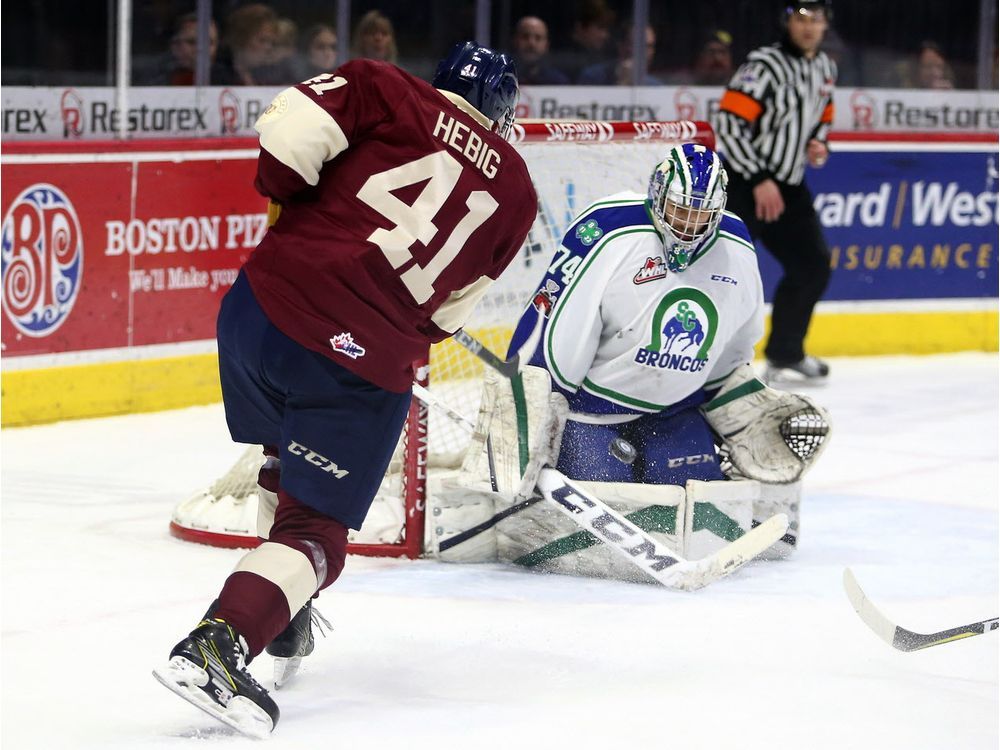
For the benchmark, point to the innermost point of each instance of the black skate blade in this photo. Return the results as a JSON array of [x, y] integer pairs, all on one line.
[[186, 679]]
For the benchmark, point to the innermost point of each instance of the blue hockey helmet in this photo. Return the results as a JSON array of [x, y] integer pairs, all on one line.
[[687, 195], [485, 79]]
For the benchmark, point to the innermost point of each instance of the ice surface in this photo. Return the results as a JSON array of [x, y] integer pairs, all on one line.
[[429, 655]]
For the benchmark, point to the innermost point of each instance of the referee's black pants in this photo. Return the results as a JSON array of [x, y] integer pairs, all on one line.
[[796, 241]]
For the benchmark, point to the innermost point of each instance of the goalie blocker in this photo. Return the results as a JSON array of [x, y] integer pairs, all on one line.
[[770, 439]]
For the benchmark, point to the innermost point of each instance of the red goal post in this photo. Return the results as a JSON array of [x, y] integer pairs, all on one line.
[[572, 164]]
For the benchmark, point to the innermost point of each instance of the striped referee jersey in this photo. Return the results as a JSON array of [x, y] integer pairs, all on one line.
[[776, 102]]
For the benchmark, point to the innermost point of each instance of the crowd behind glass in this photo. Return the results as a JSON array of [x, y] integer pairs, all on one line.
[[894, 43]]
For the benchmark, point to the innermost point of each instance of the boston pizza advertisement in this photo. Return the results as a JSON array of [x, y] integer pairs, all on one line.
[[119, 254]]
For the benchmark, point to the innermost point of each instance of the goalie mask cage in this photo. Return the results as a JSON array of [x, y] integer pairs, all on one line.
[[572, 164]]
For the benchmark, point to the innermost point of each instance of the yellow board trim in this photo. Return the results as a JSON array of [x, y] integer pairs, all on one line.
[[98, 390], [836, 334]]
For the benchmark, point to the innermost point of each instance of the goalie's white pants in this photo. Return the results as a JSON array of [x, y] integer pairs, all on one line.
[[693, 521]]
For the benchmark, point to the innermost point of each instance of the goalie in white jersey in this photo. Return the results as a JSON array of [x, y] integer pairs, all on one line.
[[650, 303], [640, 385]]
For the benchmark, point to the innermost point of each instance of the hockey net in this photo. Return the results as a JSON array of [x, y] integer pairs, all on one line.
[[572, 164]]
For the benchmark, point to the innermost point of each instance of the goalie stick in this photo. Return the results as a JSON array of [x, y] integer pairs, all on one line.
[[901, 638], [638, 547]]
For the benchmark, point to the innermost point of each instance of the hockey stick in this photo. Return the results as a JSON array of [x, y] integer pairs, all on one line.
[[901, 638], [431, 400], [638, 547]]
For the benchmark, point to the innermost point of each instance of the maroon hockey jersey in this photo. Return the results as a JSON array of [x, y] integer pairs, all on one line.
[[399, 207]]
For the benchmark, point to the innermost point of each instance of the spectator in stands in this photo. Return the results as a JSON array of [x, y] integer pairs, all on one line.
[[713, 64], [530, 46], [285, 42], [590, 39], [251, 33], [618, 72], [319, 50], [178, 66], [845, 58], [929, 70], [284, 66], [374, 38]]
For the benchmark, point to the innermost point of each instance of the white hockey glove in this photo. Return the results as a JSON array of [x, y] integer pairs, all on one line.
[[770, 435]]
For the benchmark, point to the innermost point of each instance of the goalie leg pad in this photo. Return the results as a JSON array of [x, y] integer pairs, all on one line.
[[455, 509], [542, 537], [780, 498], [718, 512]]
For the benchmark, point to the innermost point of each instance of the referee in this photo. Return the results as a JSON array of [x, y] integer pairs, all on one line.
[[774, 117]]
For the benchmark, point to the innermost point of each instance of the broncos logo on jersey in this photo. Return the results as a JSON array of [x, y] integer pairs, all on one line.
[[682, 332]]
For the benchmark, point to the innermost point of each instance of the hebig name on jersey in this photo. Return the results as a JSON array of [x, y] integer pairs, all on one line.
[[399, 208], [462, 138]]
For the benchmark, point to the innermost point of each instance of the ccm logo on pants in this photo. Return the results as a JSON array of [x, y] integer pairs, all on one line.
[[317, 460]]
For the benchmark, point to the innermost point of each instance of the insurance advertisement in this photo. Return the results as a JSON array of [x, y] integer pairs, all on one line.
[[906, 225]]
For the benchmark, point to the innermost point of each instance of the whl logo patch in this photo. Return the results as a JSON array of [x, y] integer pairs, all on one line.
[[682, 330], [344, 343], [652, 269]]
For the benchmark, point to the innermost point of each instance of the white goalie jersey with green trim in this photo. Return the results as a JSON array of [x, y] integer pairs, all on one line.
[[622, 334]]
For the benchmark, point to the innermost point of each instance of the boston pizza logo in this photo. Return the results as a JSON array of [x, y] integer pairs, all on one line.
[[41, 253]]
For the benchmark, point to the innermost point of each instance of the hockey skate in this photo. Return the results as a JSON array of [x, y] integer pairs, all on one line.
[[295, 642], [208, 669], [807, 371]]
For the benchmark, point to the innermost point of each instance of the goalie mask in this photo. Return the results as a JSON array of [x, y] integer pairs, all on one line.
[[687, 195]]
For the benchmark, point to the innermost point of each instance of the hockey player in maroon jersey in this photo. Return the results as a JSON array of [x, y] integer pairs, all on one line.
[[400, 202]]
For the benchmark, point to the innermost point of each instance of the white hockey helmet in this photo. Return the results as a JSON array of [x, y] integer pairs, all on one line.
[[687, 195]]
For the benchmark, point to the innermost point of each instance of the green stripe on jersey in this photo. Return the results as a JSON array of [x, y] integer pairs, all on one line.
[[620, 398]]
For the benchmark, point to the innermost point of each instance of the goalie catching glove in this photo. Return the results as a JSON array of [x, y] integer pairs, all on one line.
[[770, 435]]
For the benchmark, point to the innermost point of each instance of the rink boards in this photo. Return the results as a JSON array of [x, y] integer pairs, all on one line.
[[115, 258]]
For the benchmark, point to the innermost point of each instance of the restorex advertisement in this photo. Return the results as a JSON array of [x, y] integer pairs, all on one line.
[[80, 114]]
